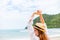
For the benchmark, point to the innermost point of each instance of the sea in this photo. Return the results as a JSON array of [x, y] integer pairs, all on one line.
[[22, 34]]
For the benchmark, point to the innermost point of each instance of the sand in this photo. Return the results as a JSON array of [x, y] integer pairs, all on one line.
[[56, 37]]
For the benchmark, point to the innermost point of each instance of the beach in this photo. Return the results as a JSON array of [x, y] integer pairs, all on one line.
[[50, 38], [55, 38], [53, 34]]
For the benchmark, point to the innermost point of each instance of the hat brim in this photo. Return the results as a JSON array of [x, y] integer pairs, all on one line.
[[43, 30]]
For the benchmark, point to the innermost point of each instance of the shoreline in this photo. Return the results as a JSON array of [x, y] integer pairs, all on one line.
[[52, 37]]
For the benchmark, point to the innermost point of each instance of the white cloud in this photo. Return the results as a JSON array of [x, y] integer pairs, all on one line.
[[13, 20], [15, 13]]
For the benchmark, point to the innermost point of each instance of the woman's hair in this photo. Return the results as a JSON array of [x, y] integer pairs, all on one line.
[[42, 35]]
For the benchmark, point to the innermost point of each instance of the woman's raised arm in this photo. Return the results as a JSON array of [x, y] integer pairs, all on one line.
[[39, 12], [31, 18]]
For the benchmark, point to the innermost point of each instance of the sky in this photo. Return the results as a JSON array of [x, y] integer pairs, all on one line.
[[14, 14]]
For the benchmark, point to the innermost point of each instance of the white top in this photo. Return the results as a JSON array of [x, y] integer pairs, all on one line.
[[31, 31]]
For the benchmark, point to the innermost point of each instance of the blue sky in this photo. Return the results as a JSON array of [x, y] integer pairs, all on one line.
[[14, 14]]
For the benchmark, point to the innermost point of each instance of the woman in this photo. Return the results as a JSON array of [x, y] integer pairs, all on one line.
[[38, 31]]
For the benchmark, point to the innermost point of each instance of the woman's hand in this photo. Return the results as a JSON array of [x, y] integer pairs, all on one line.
[[38, 12]]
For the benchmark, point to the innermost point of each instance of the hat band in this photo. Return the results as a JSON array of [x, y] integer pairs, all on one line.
[[38, 27]]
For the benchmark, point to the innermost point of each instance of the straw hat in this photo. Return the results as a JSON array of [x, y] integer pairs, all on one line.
[[40, 27]]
